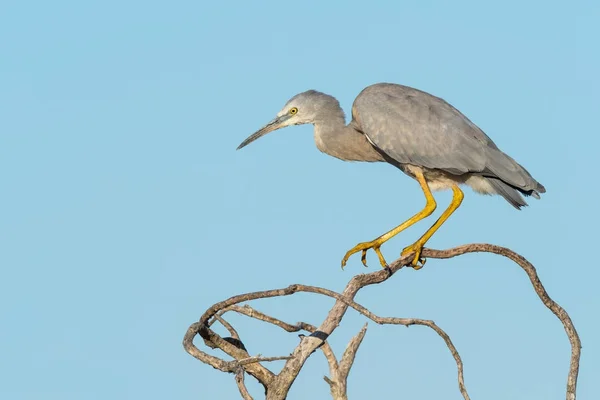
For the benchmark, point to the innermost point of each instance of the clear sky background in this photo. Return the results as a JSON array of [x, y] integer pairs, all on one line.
[[126, 212]]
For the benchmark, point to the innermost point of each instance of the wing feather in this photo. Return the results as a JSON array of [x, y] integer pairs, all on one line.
[[414, 127]]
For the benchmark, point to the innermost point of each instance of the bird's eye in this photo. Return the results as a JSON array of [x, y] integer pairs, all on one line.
[[293, 110]]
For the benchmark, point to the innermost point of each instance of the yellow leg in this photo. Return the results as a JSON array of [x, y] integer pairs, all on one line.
[[376, 244], [417, 246]]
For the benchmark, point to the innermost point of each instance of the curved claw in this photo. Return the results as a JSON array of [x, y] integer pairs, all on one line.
[[363, 258], [417, 263], [374, 245]]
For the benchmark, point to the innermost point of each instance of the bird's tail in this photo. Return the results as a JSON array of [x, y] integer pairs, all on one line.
[[510, 179], [512, 195]]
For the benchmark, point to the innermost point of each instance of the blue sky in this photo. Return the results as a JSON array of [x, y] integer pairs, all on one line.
[[126, 211]]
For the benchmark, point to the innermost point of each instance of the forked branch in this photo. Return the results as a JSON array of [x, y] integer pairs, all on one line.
[[278, 385]]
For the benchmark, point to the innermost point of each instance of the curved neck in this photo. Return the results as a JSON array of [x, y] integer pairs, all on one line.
[[342, 141]]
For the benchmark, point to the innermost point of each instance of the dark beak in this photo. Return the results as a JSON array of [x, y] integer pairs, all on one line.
[[270, 127]]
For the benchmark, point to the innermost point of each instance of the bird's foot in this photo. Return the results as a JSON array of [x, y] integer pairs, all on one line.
[[375, 245], [416, 248]]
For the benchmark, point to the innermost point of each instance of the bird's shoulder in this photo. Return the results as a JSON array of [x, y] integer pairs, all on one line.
[[404, 107], [413, 126]]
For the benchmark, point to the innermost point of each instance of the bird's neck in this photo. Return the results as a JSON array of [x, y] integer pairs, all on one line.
[[343, 141]]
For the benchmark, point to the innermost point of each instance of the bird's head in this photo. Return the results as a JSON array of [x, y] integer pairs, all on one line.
[[305, 108]]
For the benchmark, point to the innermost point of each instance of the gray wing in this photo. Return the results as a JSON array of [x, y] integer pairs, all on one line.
[[414, 127]]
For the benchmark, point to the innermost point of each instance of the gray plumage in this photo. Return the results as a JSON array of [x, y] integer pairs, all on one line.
[[414, 131]]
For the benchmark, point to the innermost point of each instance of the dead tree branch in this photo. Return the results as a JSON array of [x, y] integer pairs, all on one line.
[[299, 326], [338, 383], [531, 272], [239, 380], [278, 385]]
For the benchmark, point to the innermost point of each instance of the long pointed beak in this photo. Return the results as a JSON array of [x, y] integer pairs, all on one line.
[[270, 127]]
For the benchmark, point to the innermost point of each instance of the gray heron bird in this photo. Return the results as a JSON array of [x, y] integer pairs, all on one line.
[[422, 135]]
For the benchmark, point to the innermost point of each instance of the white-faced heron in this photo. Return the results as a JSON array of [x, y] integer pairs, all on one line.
[[422, 135]]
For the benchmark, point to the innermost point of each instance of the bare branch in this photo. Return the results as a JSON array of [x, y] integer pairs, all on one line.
[[228, 326], [239, 380], [331, 360], [217, 363], [277, 386], [258, 358], [257, 370], [262, 374], [380, 320], [253, 313], [338, 385], [414, 321], [556, 309], [213, 361], [350, 352]]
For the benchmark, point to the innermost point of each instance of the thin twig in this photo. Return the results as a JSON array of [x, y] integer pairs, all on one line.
[[350, 352], [228, 326], [239, 380], [259, 358], [338, 384]]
